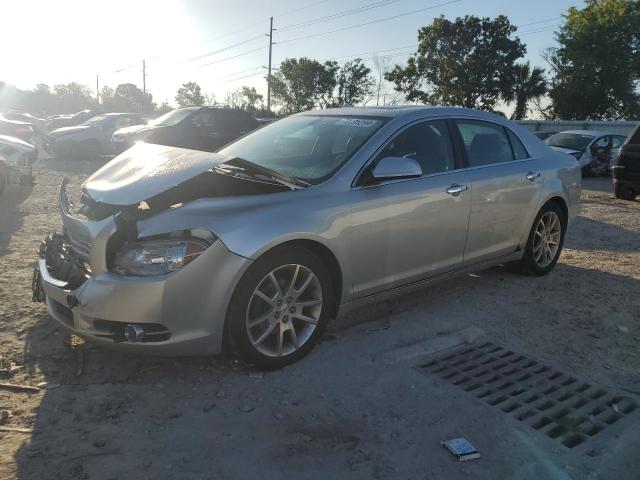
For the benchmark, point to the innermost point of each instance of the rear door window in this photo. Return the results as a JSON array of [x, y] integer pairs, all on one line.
[[519, 152], [485, 143]]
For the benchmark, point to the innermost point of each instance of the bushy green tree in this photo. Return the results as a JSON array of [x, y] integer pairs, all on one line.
[[597, 65], [355, 82], [189, 94], [302, 84], [527, 84], [467, 62]]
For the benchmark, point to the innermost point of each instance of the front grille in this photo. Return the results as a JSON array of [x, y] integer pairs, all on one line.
[[62, 262]]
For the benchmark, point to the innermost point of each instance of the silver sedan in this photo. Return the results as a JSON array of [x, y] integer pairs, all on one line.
[[173, 251]]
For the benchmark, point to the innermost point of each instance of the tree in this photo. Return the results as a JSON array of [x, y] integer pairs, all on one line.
[[528, 85], [163, 108], [251, 100], [301, 84], [468, 62], [354, 82], [597, 65], [127, 97], [381, 66], [188, 94], [72, 97]]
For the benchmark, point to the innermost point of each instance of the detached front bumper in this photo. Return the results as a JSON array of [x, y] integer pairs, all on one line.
[[181, 313]]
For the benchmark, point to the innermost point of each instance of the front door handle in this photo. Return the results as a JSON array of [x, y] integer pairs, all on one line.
[[456, 189], [531, 176]]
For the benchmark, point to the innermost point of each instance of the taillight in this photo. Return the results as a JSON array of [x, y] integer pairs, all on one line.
[[24, 132]]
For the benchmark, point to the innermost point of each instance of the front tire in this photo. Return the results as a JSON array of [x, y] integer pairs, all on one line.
[[545, 241], [280, 307], [624, 192]]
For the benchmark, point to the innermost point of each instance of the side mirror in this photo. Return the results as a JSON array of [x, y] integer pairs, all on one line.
[[393, 168]]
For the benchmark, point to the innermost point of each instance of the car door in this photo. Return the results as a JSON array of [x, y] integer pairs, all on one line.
[[405, 230], [230, 126], [506, 184], [200, 132]]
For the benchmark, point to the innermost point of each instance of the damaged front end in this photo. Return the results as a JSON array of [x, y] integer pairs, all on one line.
[[105, 282]]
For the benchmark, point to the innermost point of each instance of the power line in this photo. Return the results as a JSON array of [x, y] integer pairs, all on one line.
[[546, 29], [539, 21], [384, 19], [334, 16], [231, 58], [224, 49], [249, 27]]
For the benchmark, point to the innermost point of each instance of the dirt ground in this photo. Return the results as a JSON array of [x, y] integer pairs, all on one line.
[[356, 406]]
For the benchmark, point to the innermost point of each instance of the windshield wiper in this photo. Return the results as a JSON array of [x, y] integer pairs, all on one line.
[[291, 182]]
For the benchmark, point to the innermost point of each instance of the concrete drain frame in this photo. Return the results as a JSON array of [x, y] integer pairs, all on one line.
[[557, 404]]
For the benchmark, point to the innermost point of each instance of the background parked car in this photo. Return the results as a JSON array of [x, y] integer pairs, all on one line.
[[544, 135], [196, 128], [13, 128], [77, 118], [92, 138], [595, 151], [626, 170], [39, 125], [16, 158]]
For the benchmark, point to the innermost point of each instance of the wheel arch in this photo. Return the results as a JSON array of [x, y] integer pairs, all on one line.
[[328, 258], [562, 203]]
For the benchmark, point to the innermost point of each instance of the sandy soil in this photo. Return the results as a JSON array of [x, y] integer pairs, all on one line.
[[104, 415]]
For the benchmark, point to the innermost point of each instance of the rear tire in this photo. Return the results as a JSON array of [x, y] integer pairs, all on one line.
[[545, 241], [625, 192], [280, 308]]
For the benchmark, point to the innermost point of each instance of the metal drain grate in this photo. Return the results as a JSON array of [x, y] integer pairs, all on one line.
[[557, 404]]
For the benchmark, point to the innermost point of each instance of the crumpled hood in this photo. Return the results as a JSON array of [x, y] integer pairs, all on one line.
[[146, 170], [66, 130], [127, 131], [568, 151]]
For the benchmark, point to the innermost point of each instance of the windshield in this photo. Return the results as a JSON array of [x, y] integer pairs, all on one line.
[[173, 117], [306, 147], [573, 141]]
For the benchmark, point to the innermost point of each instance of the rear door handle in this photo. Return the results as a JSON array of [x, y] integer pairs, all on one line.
[[531, 176], [456, 189]]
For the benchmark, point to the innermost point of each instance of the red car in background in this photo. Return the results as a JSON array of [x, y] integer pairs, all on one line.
[[14, 128]]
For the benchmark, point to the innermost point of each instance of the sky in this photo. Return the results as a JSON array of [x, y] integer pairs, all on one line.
[[223, 44]]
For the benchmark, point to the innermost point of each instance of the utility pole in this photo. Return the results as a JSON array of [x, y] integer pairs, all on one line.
[[97, 90], [269, 68], [144, 77]]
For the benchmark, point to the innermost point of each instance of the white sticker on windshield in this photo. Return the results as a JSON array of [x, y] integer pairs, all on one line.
[[356, 122]]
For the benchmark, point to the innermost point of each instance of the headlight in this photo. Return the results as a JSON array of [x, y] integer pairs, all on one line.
[[157, 257]]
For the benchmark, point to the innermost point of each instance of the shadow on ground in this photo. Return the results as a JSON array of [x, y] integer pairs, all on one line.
[[12, 214], [107, 415]]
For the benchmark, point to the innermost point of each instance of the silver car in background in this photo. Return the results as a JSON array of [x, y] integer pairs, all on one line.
[[595, 151], [260, 244]]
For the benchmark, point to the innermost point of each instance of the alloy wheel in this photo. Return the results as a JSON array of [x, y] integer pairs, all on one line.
[[547, 239], [284, 310]]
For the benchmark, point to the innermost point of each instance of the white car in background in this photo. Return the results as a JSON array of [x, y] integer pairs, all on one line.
[[595, 150], [16, 158]]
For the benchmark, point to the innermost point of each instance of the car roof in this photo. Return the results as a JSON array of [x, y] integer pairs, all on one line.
[[397, 111], [592, 133]]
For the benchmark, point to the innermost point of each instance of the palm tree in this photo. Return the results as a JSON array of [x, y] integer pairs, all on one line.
[[528, 85]]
